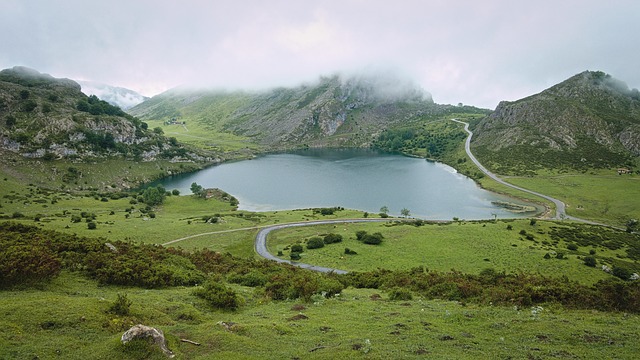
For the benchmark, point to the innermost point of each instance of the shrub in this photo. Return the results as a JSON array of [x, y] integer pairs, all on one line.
[[572, 247], [621, 272], [315, 243], [175, 192], [348, 251], [120, 306], [296, 248], [400, 294], [91, 225], [253, 278], [295, 256], [360, 234], [509, 227], [26, 261], [373, 239], [383, 215], [332, 238], [218, 295], [590, 261]]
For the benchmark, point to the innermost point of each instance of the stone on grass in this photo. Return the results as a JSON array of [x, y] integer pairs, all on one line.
[[142, 331]]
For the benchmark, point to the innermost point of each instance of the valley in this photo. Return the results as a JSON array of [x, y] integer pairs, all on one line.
[[454, 288]]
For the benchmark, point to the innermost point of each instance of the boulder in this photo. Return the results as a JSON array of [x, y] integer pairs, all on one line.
[[141, 331]]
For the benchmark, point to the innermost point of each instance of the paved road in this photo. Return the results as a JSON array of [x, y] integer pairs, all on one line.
[[560, 206], [261, 242]]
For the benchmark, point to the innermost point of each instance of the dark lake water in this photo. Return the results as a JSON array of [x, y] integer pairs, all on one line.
[[355, 179]]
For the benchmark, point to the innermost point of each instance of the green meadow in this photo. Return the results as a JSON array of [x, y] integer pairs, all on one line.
[[469, 247], [69, 318]]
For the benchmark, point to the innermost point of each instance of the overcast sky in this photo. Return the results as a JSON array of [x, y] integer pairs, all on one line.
[[474, 52]]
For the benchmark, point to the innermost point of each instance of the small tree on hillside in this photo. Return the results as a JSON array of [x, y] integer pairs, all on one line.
[[197, 189], [154, 195], [405, 212]]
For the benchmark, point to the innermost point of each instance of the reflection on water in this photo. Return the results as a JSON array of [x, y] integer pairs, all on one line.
[[351, 178]]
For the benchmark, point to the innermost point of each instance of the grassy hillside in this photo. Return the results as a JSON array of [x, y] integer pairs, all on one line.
[[336, 112], [50, 131], [588, 121], [68, 318]]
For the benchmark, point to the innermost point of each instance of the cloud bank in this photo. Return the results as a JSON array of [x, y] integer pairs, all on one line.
[[477, 53]]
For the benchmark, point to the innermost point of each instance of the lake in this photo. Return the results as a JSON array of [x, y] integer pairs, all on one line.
[[351, 178]]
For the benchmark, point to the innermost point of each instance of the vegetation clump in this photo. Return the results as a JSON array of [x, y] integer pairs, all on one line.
[[370, 239], [315, 242]]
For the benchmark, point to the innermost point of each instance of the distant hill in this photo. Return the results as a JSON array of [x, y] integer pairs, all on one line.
[[335, 111], [590, 120], [49, 118], [118, 96]]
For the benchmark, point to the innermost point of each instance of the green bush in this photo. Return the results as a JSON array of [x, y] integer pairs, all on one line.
[[315, 243], [121, 306], [400, 294], [332, 238], [572, 247], [295, 256], [373, 239], [253, 278], [621, 272], [218, 295], [296, 248], [590, 261], [348, 251]]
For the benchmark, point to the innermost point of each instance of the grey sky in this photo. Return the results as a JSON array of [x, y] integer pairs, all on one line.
[[474, 52]]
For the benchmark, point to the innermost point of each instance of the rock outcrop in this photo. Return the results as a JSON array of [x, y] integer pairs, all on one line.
[[146, 332]]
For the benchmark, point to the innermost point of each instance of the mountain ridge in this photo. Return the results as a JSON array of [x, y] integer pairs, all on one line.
[[588, 120], [336, 111], [45, 117]]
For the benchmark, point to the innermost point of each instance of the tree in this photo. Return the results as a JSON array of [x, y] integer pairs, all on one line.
[[154, 196], [197, 189], [405, 212], [384, 210]]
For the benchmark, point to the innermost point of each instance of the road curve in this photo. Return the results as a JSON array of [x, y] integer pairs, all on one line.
[[261, 242], [561, 213]]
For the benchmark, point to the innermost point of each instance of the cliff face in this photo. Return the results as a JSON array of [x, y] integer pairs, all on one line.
[[41, 116], [591, 118], [336, 111]]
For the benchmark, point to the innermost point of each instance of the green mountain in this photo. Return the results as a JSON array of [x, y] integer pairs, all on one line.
[[335, 111], [590, 120], [48, 118]]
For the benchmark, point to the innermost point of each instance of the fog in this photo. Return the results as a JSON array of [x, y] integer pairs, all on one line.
[[477, 53]]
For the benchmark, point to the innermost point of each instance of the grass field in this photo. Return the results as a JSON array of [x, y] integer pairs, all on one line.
[[68, 319], [604, 197], [196, 134], [468, 247]]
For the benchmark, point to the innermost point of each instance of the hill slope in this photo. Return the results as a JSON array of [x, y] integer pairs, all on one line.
[[590, 120], [336, 111], [45, 117]]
